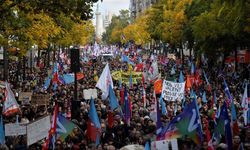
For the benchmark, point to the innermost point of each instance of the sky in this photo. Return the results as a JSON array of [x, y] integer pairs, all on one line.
[[112, 5]]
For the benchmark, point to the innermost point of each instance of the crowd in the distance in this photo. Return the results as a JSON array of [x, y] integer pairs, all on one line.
[[142, 127]]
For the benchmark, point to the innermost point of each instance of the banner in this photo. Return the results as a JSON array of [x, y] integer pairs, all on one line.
[[25, 97], [124, 76], [165, 144], [88, 93], [38, 130], [172, 91], [13, 129]]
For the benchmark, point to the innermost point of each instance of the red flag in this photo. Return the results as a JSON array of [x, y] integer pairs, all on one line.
[[158, 86], [188, 83], [110, 119], [91, 131], [139, 67], [208, 136], [79, 76], [52, 130]]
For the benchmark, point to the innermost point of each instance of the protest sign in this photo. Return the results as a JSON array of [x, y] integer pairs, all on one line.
[[38, 130], [88, 93], [40, 99], [172, 91], [164, 144], [14, 129], [25, 97]]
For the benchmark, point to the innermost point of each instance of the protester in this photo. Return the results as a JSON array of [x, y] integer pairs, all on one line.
[[120, 127]]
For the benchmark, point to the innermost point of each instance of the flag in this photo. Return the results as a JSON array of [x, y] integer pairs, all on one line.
[[51, 138], [139, 67], [110, 119], [147, 147], [47, 83], [93, 125], [186, 123], [104, 81], [227, 92], [93, 115], [192, 68], [188, 84], [158, 86], [163, 106], [127, 108], [64, 127], [208, 137], [158, 123], [2, 135], [223, 126], [153, 72], [112, 99], [10, 105], [204, 98], [235, 126], [55, 76], [181, 77], [69, 78], [205, 76], [244, 105]]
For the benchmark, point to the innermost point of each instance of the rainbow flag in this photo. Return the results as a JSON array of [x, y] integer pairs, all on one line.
[[186, 123], [64, 127]]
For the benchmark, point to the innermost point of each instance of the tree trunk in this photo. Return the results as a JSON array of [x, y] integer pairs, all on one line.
[[24, 68], [235, 59], [38, 56], [6, 64]]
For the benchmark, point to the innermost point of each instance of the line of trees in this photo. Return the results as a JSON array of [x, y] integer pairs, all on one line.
[[25, 23], [206, 26]]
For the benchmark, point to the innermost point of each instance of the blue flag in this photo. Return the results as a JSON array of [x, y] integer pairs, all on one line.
[[127, 111], [192, 68], [206, 77], [93, 114], [181, 77], [204, 98], [227, 92], [47, 83], [2, 135], [69, 78], [163, 106], [147, 147], [112, 99], [233, 112]]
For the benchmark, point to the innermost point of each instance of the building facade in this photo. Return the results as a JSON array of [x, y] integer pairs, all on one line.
[[139, 6]]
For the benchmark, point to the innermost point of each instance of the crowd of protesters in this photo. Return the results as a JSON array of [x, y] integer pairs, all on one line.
[[142, 127]]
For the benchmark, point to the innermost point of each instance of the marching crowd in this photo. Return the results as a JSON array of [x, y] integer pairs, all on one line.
[[142, 128]]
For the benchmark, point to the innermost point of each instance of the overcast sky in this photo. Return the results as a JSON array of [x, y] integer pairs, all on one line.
[[112, 5]]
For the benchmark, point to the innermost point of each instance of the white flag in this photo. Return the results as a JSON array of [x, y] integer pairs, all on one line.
[[10, 105], [153, 72], [244, 105], [104, 81]]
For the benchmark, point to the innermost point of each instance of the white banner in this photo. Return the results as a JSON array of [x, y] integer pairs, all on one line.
[[38, 130], [164, 144], [13, 129], [172, 91], [88, 93]]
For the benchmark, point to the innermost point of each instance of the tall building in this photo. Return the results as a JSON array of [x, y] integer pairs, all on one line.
[[139, 6], [99, 24], [107, 19]]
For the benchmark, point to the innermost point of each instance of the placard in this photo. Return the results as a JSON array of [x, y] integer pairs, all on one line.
[[165, 145], [13, 129], [25, 97], [40, 99], [88, 93], [38, 130], [172, 91]]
